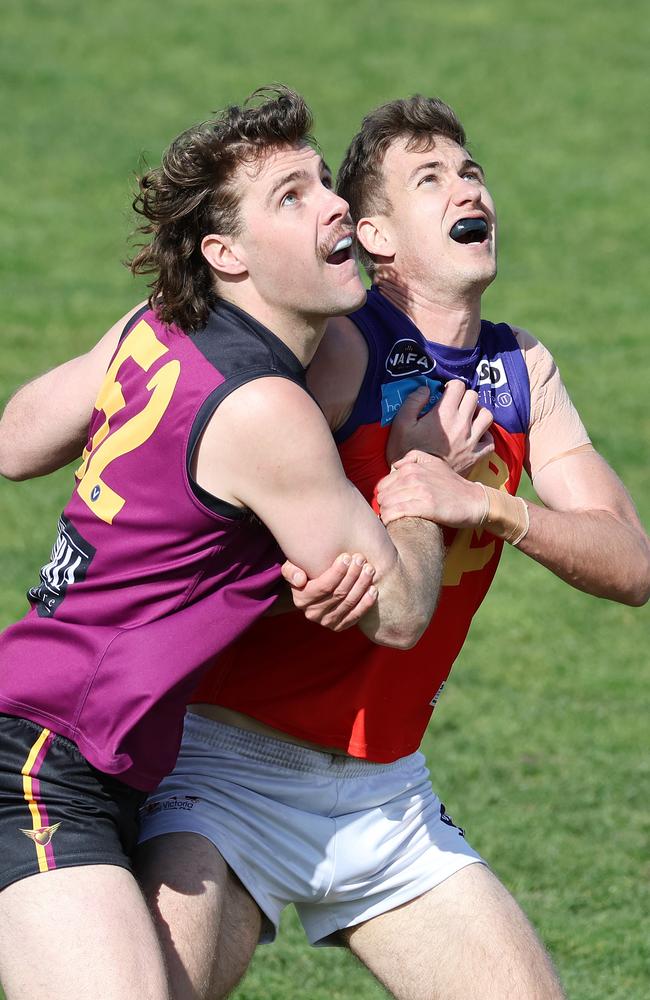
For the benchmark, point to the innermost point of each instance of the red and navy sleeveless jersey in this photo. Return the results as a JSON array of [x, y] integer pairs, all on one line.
[[342, 690], [149, 575]]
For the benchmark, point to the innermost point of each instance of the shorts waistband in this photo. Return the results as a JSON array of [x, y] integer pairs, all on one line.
[[261, 747]]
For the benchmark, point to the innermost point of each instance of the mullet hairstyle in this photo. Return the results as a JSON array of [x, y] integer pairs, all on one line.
[[361, 180], [193, 193]]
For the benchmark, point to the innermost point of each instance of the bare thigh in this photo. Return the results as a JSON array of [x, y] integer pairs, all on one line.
[[466, 939], [207, 922], [80, 932]]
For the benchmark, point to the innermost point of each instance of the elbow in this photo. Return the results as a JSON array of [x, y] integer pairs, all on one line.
[[639, 588], [637, 594], [634, 590], [10, 467], [403, 634]]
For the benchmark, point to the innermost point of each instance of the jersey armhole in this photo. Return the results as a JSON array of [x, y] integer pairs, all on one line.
[[130, 323], [215, 504], [350, 425]]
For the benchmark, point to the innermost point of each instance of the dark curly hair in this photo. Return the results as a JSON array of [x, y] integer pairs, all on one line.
[[361, 179], [193, 193]]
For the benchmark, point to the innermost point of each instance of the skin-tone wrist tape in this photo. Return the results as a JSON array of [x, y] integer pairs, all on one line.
[[504, 515]]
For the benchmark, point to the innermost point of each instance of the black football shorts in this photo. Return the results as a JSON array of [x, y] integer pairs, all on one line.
[[56, 810]]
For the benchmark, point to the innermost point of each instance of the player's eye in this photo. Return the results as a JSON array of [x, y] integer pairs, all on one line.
[[289, 199], [327, 182], [427, 179], [471, 175]]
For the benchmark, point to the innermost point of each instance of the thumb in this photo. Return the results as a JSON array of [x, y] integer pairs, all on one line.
[[294, 576]]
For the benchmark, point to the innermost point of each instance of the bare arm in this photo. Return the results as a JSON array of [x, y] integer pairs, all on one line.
[[45, 423], [268, 448], [587, 533]]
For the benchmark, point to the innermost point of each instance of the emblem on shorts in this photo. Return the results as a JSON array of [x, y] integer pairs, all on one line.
[[184, 802], [446, 818], [43, 835]]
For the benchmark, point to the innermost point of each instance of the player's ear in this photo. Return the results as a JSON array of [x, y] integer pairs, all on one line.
[[222, 254], [374, 236]]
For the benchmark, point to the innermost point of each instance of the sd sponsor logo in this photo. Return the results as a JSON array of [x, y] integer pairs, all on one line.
[[491, 373], [406, 357]]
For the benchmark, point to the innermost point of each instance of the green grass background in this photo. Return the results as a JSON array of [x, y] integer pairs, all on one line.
[[539, 746]]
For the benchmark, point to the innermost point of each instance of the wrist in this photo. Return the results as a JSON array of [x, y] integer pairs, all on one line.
[[504, 515]]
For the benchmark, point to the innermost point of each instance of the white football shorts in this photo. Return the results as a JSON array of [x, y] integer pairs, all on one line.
[[342, 839]]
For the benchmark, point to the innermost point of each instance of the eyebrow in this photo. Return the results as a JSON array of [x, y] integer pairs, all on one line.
[[436, 164], [296, 175]]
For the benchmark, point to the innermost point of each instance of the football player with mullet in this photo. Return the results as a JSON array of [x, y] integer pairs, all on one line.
[[299, 779], [202, 438]]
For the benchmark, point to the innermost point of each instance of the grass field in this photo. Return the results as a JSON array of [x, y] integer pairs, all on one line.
[[539, 746]]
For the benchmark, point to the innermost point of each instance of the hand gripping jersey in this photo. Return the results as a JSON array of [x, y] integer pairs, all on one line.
[[342, 690], [149, 575]]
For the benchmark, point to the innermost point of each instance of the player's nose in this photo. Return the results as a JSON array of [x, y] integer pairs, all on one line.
[[466, 192], [336, 208]]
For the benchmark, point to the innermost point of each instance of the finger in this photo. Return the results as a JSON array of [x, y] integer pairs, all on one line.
[[362, 607], [453, 393], [294, 576], [358, 589], [324, 585], [483, 448], [468, 404], [414, 457], [393, 512], [482, 420], [345, 606], [346, 584], [414, 403]]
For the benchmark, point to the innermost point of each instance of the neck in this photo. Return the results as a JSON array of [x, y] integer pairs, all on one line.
[[453, 321], [300, 332]]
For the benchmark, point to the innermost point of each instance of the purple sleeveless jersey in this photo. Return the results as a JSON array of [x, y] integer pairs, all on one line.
[[150, 577]]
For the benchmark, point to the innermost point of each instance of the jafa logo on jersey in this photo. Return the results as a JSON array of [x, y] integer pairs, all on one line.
[[407, 357]]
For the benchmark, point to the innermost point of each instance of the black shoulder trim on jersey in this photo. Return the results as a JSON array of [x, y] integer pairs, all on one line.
[[207, 409], [130, 323], [233, 341], [366, 331]]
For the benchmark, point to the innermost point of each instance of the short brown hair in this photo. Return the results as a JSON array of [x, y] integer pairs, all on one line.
[[192, 194], [417, 119]]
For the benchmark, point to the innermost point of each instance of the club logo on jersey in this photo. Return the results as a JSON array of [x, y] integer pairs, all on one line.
[[71, 556], [406, 357], [43, 835]]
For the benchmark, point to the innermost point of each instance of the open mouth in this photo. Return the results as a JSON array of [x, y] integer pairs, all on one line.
[[341, 252], [469, 231]]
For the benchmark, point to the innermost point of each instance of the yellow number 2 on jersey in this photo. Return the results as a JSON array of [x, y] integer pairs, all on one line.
[[143, 347]]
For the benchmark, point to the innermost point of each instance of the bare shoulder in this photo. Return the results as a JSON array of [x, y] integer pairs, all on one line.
[[337, 370], [266, 436], [525, 339], [267, 417]]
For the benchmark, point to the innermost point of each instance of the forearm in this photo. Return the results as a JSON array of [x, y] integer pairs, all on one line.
[[408, 590], [592, 550], [589, 533]]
